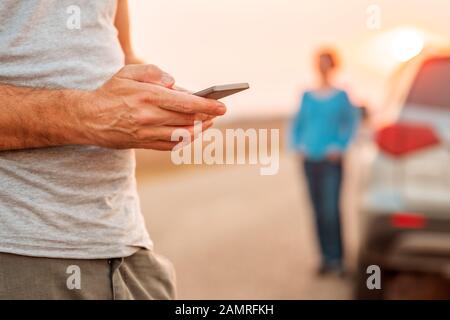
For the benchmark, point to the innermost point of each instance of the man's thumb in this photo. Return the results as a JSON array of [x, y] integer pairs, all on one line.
[[147, 73]]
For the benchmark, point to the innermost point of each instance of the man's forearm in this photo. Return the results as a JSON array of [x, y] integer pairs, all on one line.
[[135, 108], [37, 118]]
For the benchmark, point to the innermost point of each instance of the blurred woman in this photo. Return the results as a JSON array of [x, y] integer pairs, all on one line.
[[321, 133]]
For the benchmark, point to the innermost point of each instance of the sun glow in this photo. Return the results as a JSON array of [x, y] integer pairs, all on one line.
[[406, 44]]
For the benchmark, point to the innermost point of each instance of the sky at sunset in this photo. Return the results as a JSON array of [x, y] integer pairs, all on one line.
[[270, 44]]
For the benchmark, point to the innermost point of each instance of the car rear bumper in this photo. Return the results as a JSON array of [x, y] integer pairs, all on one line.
[[417, 250], [407, 263]]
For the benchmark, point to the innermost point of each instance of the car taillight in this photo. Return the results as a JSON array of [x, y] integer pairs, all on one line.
[[402, 139], [403, 220]]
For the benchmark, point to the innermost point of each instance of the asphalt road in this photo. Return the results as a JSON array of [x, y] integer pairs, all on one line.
[[233, 234]]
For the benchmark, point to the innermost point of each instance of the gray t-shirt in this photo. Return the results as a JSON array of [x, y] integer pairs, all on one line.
[[73, 201]]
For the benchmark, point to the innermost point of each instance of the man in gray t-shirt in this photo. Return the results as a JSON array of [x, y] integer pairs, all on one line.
[[70, 116]]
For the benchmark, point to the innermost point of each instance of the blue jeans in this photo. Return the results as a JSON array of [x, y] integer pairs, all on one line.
[[324, 183]]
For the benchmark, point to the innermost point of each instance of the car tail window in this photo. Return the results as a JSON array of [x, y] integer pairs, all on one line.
[[431, 86]]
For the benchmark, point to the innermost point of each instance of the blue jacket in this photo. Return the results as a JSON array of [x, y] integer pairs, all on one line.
[[324, 125]]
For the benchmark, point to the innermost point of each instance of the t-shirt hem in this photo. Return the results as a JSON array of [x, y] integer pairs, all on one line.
[[111, 252]]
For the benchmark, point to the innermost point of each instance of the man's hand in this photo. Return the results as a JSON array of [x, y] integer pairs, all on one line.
[[137, 108]]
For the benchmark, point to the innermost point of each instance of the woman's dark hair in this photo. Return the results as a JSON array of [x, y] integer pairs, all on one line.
[[330, 55]]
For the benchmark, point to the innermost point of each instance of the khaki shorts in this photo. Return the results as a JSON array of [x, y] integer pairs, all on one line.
[[142, 276]]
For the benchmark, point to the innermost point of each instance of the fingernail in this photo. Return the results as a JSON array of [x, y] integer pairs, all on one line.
[[222, 108], [167, 80]]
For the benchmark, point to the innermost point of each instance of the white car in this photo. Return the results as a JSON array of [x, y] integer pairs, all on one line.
[[407, 202]]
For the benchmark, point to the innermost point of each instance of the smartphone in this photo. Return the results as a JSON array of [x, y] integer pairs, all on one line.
[[219, 92]]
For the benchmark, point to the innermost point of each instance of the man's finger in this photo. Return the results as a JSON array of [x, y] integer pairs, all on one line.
[[157, 116], [147, 73], [172, 118], [185, 103], [164, 133], [182, 89], [161, 145]]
